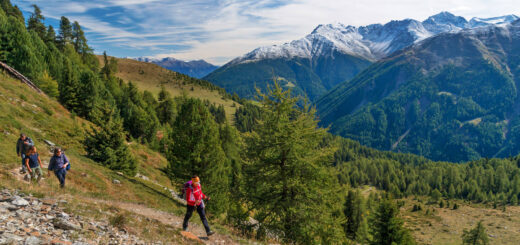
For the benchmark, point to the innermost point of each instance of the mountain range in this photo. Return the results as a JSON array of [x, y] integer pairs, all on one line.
[[334, 53], [194, 68], [453, 96]]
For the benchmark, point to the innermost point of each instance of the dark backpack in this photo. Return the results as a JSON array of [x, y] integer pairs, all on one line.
[[184, 187]]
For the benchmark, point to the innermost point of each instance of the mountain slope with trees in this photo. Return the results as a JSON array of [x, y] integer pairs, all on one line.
[[168, 138], [450, 97]]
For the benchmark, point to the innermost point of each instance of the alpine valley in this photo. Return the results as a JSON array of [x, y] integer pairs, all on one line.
[[453, 96]]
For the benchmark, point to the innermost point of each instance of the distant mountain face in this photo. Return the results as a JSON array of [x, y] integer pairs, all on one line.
[[194, 68], [454, 96], [333, 53]]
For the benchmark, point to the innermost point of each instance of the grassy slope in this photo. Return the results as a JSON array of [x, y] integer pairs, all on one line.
[[445, 225], [148, 76], [23, 110]]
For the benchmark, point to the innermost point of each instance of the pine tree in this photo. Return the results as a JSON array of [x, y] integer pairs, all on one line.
[[88, 93], [354, 211], [35, 22], [69, 86], [476, 236], [50, 36], [106, 144], [196, 149], [288, 185], [166, 107], [65, 34], [386, 227], [11, 10]]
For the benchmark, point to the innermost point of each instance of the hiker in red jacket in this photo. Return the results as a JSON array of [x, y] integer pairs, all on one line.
[[194, 199]]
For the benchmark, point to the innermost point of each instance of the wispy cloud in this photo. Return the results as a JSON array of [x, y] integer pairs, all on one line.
[[219, 30]]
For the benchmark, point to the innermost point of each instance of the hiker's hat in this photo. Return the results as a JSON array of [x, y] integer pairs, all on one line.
[[195, 180]]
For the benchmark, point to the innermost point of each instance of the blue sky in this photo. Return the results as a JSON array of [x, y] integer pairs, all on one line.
[[220, 30]]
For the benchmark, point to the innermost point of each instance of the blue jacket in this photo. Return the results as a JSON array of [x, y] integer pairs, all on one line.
[[57, 162], [21, 148]]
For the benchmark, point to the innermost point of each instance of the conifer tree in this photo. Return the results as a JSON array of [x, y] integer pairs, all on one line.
[[475, 236], [386, 227], [48, 85], [65, 34], [35, 22], [50, 36], [196, 149], [69, 87], [288, 185], [166, 107], [106, 144], [11, 10], [354, 213]]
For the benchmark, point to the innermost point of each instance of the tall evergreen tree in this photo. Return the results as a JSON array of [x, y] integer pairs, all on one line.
[[166, 108], [50, 36], [288, 184], [106, 144], [475, 236], [65, 35], [196, 149], [11, 10], [354, 210], [69, 87], [35, 22], [386, 227]]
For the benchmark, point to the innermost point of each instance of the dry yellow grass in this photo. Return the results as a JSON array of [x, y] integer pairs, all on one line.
[[445, 225], [148, 76]]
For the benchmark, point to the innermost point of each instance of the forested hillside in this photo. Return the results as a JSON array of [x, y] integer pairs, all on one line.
[[450, 97], [274, 176], [152, 78]]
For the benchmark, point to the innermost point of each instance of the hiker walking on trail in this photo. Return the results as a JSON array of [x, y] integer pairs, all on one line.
[[58, 164], [22, 145], [33, 164], [194, 199]]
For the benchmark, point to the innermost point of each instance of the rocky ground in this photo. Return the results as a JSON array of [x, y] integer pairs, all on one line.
[[29, 220]]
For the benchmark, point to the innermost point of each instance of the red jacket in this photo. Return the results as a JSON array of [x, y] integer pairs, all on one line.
[[194, 194]]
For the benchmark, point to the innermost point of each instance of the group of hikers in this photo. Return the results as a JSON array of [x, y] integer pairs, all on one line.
[[59, 163], [32, 163]]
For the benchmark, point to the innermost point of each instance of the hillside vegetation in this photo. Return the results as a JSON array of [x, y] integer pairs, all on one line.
[[452, 97], [299, 183], [42, 118], [150, 77]]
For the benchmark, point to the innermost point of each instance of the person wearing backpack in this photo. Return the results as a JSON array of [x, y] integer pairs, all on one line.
[[59, 164], [22, 146], [33, 164], [194, 199]]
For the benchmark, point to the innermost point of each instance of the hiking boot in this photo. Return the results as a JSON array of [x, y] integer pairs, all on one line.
[[210, 233], [22, 171]]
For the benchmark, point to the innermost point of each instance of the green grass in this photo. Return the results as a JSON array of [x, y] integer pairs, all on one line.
[[42, 118], [148, 76], [89, 187]]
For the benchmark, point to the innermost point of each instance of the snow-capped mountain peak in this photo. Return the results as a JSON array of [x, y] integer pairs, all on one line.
[[474, 22], [370, 42]]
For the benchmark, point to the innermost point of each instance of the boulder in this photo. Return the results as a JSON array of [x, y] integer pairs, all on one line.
[[32, 240], [20, 202], [61, 223]]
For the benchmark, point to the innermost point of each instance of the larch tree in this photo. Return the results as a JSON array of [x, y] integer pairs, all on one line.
[[289, 186]]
